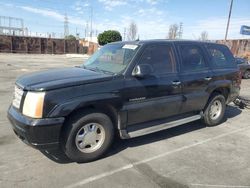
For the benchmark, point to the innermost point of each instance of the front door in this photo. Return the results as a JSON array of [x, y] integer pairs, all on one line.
[[157, 95]]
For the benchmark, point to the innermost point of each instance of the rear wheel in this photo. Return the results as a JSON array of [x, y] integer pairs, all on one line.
[[87, 136], [215, 110], [247, 74]]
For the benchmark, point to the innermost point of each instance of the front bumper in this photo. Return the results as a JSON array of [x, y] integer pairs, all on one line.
[[38, 133]]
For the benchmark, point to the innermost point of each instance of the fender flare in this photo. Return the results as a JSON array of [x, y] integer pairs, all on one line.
[[219, 84], [64, 109]]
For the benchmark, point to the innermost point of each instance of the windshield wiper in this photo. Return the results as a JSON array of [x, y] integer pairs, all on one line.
[[103, 71], [97, 69]]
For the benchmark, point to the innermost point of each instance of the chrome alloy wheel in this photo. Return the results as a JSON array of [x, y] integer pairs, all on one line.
[[90, 137], [215, 109]]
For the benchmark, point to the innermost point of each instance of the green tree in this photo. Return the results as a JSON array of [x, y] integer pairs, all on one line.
[[109, 36], [70, 37]]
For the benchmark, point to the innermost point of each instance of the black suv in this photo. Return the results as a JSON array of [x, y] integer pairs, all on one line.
[[130, 88]]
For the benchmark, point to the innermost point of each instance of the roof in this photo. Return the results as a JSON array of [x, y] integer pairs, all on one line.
[[141, 42]]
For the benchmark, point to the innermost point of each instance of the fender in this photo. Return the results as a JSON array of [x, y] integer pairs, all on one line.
[[219, 84], [64, 109]]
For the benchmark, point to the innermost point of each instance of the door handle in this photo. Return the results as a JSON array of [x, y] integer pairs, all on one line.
[[176, 83], [207, 78]]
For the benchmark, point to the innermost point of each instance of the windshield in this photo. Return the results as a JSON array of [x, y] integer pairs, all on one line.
[[112, 58]]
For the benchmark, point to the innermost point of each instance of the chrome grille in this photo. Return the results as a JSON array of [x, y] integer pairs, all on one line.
[[18, 93]]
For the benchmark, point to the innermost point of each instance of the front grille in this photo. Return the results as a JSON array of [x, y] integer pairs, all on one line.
[[18, 94]]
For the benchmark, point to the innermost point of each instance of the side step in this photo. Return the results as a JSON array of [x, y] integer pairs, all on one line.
[[151, 129]]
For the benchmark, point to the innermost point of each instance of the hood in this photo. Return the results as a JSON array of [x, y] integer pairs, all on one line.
[[58, 78]]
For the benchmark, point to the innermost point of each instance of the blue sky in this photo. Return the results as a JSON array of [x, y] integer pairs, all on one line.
[[152, 17]]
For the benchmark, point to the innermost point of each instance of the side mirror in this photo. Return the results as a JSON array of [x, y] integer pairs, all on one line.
[[142, 71]]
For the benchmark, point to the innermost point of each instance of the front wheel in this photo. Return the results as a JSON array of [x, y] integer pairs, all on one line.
[[215, 110], [87, 136]]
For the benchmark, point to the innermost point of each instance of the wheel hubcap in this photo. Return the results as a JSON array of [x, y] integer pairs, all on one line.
[[248, 74], [215, 110], [90, 137]]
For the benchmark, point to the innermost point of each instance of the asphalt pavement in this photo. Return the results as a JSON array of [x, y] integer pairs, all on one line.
[[189, 155]]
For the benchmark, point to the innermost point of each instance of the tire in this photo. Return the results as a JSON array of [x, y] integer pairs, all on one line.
[[87, 136], [214, 110], [247, 74]]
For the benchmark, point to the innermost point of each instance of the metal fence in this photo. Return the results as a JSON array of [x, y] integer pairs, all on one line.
[[35, 45]]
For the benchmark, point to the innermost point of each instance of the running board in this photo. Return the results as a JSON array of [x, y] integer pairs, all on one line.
[[156, 128]]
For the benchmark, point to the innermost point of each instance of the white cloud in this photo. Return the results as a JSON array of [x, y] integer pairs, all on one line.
[[110, 4], [81, 6], [152, 2], [151, 21], [216, 28], [44, 12], [7, 4], [54, 15], [147, 29], [150, 12]]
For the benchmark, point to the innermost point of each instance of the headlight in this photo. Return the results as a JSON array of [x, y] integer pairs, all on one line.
[[33, 104]]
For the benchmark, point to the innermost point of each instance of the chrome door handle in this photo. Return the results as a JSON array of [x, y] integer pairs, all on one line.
[[176, 83], [207, 78]]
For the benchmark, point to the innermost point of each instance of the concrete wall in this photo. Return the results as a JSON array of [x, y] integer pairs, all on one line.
[[17, 44]]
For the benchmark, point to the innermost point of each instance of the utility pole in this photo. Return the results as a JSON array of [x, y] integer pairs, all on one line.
[[180, 30], [66, 26], [22, 26], [124, 34], [1, 30], [91, 19], [87, 29], [229, 17]]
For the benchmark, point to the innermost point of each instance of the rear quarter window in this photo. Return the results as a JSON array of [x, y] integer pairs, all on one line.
[[221, 56]]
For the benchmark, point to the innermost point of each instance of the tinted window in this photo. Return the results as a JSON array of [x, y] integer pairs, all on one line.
[[192, 58], [160, 57], [221, 56]]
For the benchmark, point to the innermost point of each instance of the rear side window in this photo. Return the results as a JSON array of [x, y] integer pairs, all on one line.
[[192, 58], [221, 57], [160, 57]]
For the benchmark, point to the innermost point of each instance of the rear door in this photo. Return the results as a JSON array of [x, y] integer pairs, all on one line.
[[195, 75], [158, 95], [224, 67]]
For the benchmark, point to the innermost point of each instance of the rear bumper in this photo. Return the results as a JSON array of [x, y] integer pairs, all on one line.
[[38, 133], [235, 92]]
